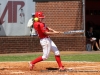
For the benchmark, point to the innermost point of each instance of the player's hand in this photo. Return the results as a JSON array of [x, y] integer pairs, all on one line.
[[56, 32]]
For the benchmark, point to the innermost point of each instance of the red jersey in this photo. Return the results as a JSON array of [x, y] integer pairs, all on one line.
[[40, 28]]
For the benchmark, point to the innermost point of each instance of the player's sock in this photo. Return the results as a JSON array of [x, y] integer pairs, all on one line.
[[57, 57], [37, 60]]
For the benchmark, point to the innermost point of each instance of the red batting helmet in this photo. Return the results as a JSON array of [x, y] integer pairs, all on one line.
[[39, 15]]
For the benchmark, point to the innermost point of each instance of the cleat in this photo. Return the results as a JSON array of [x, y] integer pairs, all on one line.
[[62, 68], [31, 66], [99, 49]]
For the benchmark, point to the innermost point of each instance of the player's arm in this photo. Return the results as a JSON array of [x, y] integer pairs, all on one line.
[[51, 31], [47, 30]]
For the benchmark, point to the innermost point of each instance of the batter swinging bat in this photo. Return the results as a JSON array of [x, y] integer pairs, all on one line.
[[73, 32]]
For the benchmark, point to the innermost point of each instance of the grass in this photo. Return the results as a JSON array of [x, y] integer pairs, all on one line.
[[65, 57], [82, 57], [18, 57]]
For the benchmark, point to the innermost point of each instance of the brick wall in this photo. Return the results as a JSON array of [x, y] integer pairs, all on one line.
[[62, 15], [31, 44]]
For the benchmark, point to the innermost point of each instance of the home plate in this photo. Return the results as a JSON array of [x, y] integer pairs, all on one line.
[[17, 72]]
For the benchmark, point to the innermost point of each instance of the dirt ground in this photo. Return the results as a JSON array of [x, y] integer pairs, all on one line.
[[51, 67]]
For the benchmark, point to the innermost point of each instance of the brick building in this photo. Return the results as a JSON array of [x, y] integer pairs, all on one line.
[[63, 15]]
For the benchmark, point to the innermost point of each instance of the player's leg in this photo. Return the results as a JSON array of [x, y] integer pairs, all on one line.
[[33, 62], [57, 55], [93, 45], [97, 45], [46, 50]]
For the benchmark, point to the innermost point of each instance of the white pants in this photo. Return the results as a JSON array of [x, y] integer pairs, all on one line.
[[47, 45]]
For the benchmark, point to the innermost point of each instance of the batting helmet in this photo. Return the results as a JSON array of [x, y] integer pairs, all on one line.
[[39, 15]]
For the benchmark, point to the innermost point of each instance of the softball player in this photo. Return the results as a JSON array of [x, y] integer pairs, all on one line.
[[45, 41]]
